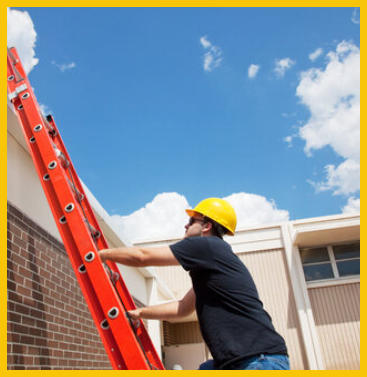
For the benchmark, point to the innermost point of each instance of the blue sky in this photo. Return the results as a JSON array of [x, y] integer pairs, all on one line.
[[163, 102]]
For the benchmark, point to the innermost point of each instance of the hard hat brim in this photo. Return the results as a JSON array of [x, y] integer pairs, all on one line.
[[191, 212]]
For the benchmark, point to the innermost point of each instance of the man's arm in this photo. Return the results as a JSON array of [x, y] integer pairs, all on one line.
[[140, 256], [171, 310]]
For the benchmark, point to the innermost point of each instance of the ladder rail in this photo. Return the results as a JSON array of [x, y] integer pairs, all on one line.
[[89, 214], [108, 300], [120, 286]]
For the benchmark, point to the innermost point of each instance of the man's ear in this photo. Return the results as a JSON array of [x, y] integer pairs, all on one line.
[[208, 227]]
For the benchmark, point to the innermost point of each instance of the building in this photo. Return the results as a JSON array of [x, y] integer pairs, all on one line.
[[307, 273]]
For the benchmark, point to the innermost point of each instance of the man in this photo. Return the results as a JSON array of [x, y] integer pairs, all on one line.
[[236, 328]]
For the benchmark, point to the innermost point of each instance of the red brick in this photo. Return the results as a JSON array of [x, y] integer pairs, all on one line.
[[19, 279], [59, 304], [11, 285], [35, 332], [28, 321], [24, 272], [26, 339], [54, 344], [24, 291], [18, 260], [12, 228], [28, 360], [36, 313], [31, 350], [9, 235], [19, 242], [13, 337], [40, 342], [13, 247], [37, 296], [13, 296], [60, 337], [17, 348], [20, 329]]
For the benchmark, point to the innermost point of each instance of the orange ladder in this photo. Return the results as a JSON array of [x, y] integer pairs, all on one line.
[[127, 344]]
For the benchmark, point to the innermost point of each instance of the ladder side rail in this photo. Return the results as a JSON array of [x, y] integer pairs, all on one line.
[[74, 258], [63, 191], [77, 233], [120, 285], [91, 218], [85, 246], [75, 178]]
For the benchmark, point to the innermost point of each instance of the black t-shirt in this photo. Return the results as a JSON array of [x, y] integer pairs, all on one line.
[[231, 316]]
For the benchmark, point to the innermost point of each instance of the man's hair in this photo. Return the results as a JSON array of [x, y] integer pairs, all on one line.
[[217, 229]]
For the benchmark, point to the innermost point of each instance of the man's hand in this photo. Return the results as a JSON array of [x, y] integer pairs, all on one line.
[[102, 255], [135, 314]]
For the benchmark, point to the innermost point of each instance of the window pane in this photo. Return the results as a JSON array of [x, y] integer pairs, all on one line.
[[346, 251], [350, 267], [318, 272], [315, 255]]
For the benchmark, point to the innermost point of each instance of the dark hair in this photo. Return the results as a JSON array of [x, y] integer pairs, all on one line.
[[217, 229]]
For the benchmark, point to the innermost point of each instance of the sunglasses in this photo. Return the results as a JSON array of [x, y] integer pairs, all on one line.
[[193, 220]]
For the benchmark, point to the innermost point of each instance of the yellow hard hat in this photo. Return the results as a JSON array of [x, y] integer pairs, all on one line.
[[218, 210]]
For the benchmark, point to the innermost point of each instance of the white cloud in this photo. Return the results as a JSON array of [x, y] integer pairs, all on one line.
[[45, 110], [343, 179], [22, 35], [282, 65], [352, 206], [64, 67], [204, 42], [165, 216], [289, 140], [356, 16], [332, 96], [252, 209], [315, 54], [253, 70], [212, 56]]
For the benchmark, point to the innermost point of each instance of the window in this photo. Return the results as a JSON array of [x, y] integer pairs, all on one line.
[[331, 262]]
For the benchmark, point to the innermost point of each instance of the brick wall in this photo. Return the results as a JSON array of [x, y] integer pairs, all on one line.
[[49, 324]]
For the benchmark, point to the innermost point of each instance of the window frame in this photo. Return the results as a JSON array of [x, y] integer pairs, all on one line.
[[333, 261]]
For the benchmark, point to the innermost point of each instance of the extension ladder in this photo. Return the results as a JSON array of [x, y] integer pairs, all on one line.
[[127, 343]]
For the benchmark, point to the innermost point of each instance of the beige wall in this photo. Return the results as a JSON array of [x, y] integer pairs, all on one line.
[[176, 278], [24, 189], [271, 277], [337, 319], [298, 311], [189, 356], [181, 333]]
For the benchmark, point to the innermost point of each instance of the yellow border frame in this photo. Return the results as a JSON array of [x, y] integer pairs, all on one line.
[[3, 154]]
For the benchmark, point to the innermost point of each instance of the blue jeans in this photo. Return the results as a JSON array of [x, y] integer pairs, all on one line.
[[262, 361]]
